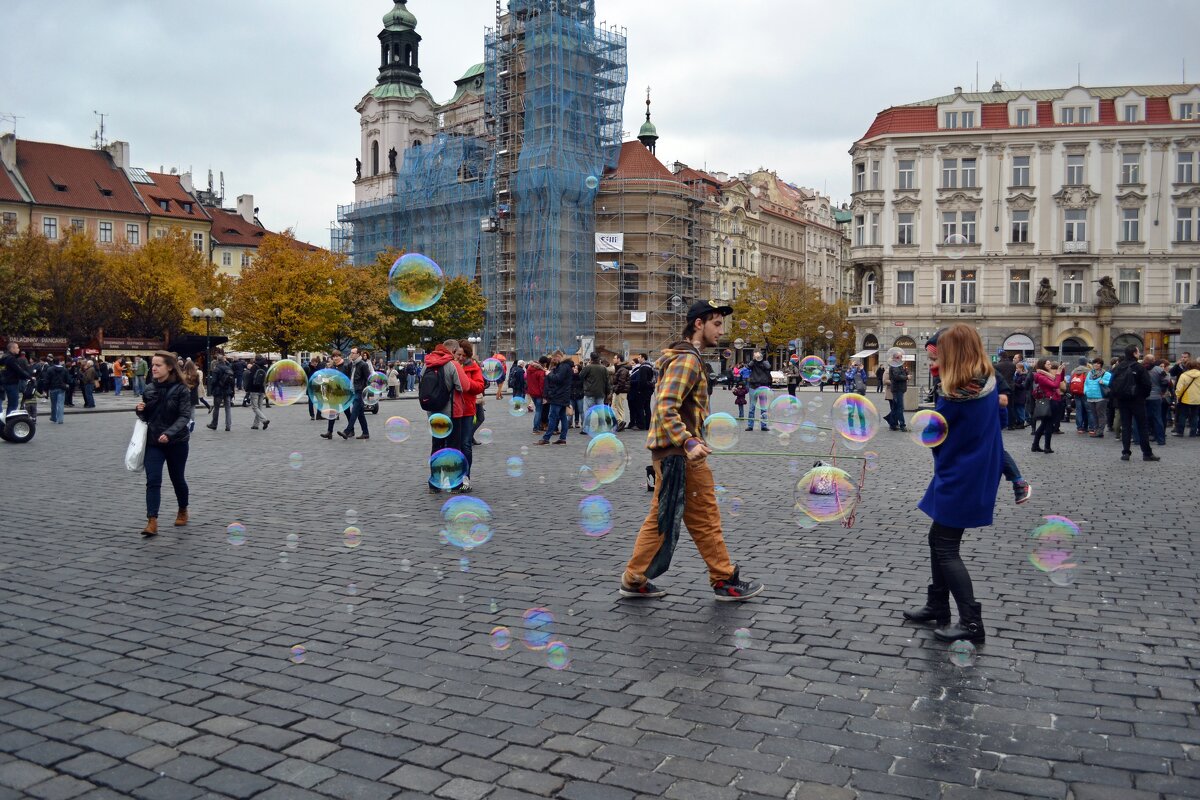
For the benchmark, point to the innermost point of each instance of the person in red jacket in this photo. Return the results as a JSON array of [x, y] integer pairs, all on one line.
[[535, 385], [464, 407]]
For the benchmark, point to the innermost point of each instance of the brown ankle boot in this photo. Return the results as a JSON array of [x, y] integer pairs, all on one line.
[[181, 518], [151, 528]]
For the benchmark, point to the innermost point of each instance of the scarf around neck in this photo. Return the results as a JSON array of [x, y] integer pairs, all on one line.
[[975, 388]]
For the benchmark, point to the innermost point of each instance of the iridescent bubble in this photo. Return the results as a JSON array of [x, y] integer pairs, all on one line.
[[762, 304], [812, 369], [803, 520], [524, 450], [871, 459], [591, 181], [517, 406], [286, 382], [292, 540], [720, 431], [298, 654], [955, 246], [369, 398], [331, 392], [484, 435], [500, 638], [296, 460], [820, 329], [468, 522], [962, 654], [739, 343], [735, 506], [826, 493], [1062, 577], [447, 468], [464, 564], [785, 438], [721, 493], [855, 417], [236, 532], [595, 516], [761, 397], [587, 479], [741, 638], [352, 590], [727, 354], [1053, 545], [440, 426], [494, 607], [558, 655], [928, 428], [786, 413], [765, 327], [352, 537], [808, 431], [377, 383], [515, 466], [415, 282], [351, 516], [397, 430], [600, 419], [606, 457], [743, 324], [539, 624], [493, 369]]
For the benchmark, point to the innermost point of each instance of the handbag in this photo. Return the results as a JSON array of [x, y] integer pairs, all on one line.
[[135, 453], [1042, 408]]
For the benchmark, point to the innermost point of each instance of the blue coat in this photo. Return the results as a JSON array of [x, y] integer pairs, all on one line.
[[966, 467]]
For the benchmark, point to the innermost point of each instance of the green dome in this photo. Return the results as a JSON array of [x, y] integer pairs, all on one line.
[[399, 18], [647, 129]]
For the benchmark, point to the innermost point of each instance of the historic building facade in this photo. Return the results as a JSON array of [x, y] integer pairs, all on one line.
[[1058, 222]]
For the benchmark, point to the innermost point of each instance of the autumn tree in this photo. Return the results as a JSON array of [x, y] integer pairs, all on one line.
[[363, 294], [79, 302], [287, 300], [786, 312], [23, 257], [458, 314], [155, 286]]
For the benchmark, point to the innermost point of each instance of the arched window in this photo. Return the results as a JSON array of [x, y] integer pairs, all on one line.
[[869, 290], [375, 158], [408, 55]]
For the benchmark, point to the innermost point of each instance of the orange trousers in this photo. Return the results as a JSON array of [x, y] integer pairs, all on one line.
[[702, 518]]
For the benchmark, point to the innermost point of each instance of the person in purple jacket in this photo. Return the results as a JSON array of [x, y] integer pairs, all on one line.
[[966, 471]]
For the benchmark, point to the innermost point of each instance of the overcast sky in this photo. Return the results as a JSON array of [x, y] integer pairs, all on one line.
[[265, 89]]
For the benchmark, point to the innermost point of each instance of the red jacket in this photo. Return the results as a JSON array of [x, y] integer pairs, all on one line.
[[472, 378], [535, 379]]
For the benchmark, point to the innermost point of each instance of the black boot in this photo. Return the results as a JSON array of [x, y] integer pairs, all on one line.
[[936, 608], [969, 626]]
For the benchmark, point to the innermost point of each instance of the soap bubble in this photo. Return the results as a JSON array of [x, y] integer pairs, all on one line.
[[524, 450], [415, 282], [595, 516], [296, 460], [293, 541], [591, 181], [397, 430], [464, 564], [962, 654], [762, 304], [871, 459], [468, 522], [808, 431], [405, 565], [955, 246], [236, 532], [820, 329], [352, 537], [765, 327], [600, 419], [558, 656], [515, 466], [1062, 577], [331, 392], [369, 399], [377, 383], [517, 406], [298, 654], [484, 435], [440, 426], [587, 479], [539, 623], [761, 397], [739, 343], [447, 468], [500, 638], [895, 356], [803, 520], [286, 382], [721, 431], [351, 516], [493, 369], [741, 638], [743, 324], [786, 413], [735, 506], [928, 428], [826, 493], [494, 607], [812, 369], [855, 417], [1053, 545], [727, 354], [606, 457]]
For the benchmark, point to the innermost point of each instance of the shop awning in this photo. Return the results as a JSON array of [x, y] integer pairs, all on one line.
[[864, 353]]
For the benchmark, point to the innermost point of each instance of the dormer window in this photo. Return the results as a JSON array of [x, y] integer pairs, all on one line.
[[165, 205], [1130, 113], [106, 192], [1075, 115], [187, 207], [1023, 117], [1187, 112], [958, 119]]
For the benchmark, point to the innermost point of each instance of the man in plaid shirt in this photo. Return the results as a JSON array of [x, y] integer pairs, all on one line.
[[683, 488]]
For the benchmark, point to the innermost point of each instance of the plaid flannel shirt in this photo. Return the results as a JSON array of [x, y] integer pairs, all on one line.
[[680, 398]]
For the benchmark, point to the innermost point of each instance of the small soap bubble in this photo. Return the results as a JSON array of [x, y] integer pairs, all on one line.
[[739, 343], [440, 426], [962, 654], [500, 638], [352, 590], [762, 304], [462, 598], [606, 457], [352, 537], [871, 459], [494, 607], [397, 430], [721, 431], [515, 466], [786, 413], [955, 246], [591, 182], [524, 450], [351, 516], [415, 282], [539, 623], [855, 418], [735, 506], [293, 541], [286, 382], [727, 354], [595, 516], [296, 460], [484, 435], [236, 532], [741, 638], [464, 564], [298, 654], [743, 324], [468, 522], [587, 479], [369, 399], [928, 428], [517, 406], [405, 565], [722, 494], [558, 655], [808, 431], [1053, 547], [493, 369], [762, 397], [600, 419], [766, 327]]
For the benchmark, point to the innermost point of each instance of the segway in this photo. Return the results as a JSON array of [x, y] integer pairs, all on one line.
[[20, 425]]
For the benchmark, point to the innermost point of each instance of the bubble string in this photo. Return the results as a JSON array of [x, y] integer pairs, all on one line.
[[782, 455]]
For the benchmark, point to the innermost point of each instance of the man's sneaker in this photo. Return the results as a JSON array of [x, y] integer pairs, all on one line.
[[647, 589], [1151, 458], [266, 422], [463, 488], [1022, 490], [733, 588]]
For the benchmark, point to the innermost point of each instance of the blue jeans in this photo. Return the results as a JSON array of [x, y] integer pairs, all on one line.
[[464, 432], [537, 412], [12, 393], [558, 418], [57, 398], [89, 395], [175, 457], [117, 385], [588, 403], [762, 412], [356, 414], [139, 385], [1081, 415], [895, 417], [1009, 468], [1154, 420]]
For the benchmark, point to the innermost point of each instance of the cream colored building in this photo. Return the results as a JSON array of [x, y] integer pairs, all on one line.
[[963, 206]]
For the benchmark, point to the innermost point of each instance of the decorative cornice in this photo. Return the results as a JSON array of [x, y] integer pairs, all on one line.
[[1160, 143], [1189, 198], [1107, 145], [956, 149], [959, 200], [1189, 143], [1131, 199], [1046, 146], [1076, 197], [993, 148], [1022, 149], [907, 203], [1021, 201]]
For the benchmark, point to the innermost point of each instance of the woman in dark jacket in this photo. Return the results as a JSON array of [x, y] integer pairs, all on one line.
[[577, 395], [558, 397], [166, 408]]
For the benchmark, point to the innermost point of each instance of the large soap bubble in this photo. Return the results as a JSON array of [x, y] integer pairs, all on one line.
[[286, 382], [468, 522], [826, 493], [855, 418], [928, 428], [447, 468], [812, 369], [493, 369], [415, 282], [606, 457], [787, 413], [331, 391], [721, 431]]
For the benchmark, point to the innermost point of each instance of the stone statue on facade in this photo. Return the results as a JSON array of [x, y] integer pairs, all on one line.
[[358, 169], [392, 160], [1106, 295], [1045, 294]]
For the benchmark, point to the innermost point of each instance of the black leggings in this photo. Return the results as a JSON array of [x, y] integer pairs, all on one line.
[[1045, 427], [945, 565]]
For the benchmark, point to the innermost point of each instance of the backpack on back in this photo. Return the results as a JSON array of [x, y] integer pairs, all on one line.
[[1077, 383], [432, 392]]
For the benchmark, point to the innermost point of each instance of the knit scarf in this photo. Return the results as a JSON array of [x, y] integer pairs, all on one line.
[[973, 389]]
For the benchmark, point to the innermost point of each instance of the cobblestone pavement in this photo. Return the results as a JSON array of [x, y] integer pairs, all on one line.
[[163, 668]]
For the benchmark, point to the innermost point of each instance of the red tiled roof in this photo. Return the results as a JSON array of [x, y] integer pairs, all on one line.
[[75, 177], [994, 115], [8, 190], [710, 184], [168, 189], [1158, 110], [903, 120], [229, 229], [636, 161]]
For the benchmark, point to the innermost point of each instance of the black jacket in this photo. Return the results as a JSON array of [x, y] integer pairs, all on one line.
[[558, 384], [222, 383], [13, 369], [255, 379], [760, 373], [1130, 370], [516, 381], [57, 377], [168, 410], [359, 372]]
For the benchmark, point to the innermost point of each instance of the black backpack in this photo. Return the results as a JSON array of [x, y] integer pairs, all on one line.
[[432, 392]]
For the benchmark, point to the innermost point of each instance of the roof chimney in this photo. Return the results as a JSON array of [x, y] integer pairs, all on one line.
[[185, 180], [120, 153], [245, 207], [8, 151], [996, 87], [958, 90]]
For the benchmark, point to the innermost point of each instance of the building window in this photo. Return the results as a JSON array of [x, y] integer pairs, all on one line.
[[1020, 227], [962, 223], [198, 242], [904, 228], [1072, 286], [951, 119], [1020, 171], [1183, 167], [245, 259], [968, 119], [860, 177], [133, 233], [966, 287], [1182, 294], [968, 226], [968, 173], [906, 175], [1074, 170], [1066, 116], [187, 207], [1130, 112], [1129, 285], [1075, 220], [946, 287], [165, 205], [1183, 224], [874, 230], [375, 158], [1018, 287], [78, 225], [1131, 167], [106, 230], [874, 174], [50, 227], [631, 284], [1187, 111], [226, 259], [869, 293], [9, 221], [1024, 119], [904, 288], [860, 223], [1131, 224], [950, 173], [959, 119], [160, 233]]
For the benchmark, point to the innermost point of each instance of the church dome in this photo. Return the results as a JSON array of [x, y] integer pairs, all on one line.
[[647, 129], [399, 18]]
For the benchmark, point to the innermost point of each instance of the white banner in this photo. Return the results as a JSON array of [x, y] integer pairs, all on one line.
[[607, 265], [610, 242]]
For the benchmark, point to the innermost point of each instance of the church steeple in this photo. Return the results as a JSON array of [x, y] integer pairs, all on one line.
[[648, 135], [399, 46]]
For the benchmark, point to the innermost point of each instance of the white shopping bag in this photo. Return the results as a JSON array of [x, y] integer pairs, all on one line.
[[135, 453]]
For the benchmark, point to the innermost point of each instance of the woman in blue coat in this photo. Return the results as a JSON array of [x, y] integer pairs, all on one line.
[[966, 471]]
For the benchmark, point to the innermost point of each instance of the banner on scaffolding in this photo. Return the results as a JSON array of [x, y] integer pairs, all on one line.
[[607, 265], [610, 242]]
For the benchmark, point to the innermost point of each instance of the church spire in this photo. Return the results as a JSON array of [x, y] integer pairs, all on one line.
[[648, 135], [399, 47]]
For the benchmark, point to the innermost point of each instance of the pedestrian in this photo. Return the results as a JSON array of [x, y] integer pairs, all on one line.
[[596, 387], [620, 392], [879, 378], [1095, 391], [239, 372], [393, 381], [1187, 396], [441, 381], [535, 383], [558, 397], [118, 376], [1078, 400], [966, 471], [465, 405], [1129, 388], [73, 380], [140, 369], [1160, 387], [760, 383], [1047, 388], [360, 373], [166, 408], [740, 391], [313, 365], [1020, 394], [222, 386], [191, 379], [1006, 368], [57, 380], [897, 378], [575, 410], [683, 481], [89, 382], [641, 389], [337, 362], [516, 382], [254, 379], [14, 371]]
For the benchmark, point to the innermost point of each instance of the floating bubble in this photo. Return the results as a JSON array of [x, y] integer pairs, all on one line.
[[855, 417], [447, 468], [517, 406], [236, 532], [464, 564], [539, 623], [739, 343], [484, 435], [826, 493], [493, 369], [1053, 545], [440, 426], [606, 457], [721, 493], [955, 246], [351, 516], [331, 392], [721, 431], [298, 654], [786, 413], [1062, 577], [591, 181], [587, 479], [352, 590], [741, 638], [595, 516], [761, 397], [352, 537], [962, 654], [515, 466], [377, 383], [743, 324], [871, 459], [727, 354], [928, 428], [397, 430], [735, 506], [494, 607], [500, 638], [785, 438], [895, 356], [370, 399], [808, 431], [765, 327], [292, 540], [762, 304], [415, 282], [600, 419], [468, 522], [558, 655], [820, 329], [524, 450], [405, 565], [296, 460], [286, 382], [803, 520], [812, 369]]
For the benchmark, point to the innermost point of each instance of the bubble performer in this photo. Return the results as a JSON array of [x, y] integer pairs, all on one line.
[[966, 471], [683, 488]]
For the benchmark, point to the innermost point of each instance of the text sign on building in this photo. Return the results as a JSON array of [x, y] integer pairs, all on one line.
[[610, 242]]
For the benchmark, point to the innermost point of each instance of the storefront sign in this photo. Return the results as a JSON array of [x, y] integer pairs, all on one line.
[[36, 342], [111, 343], [1018, 341]]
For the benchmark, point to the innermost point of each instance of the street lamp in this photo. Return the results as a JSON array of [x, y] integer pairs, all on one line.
[[208, 314]]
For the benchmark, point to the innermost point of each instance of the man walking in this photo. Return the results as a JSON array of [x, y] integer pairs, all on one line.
[[255, 381], [140, 368], [558, 395], [683, 487], [595, 388], [222, 386], [760, 381], [1130, 386], [897, 378], [641, 385], [1007, 369], [57, 380], [14, 370], [620, 392], [443, 381], [312, 367], [360, 372]]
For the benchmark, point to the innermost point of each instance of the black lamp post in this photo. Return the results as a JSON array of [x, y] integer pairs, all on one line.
[[208, 315]]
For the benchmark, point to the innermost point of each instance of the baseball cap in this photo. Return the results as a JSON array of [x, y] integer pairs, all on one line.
[[702, 307]]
